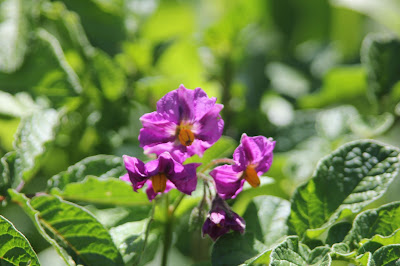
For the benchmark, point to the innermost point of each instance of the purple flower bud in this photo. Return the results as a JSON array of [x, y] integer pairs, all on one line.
[[186, 122], [253, 157], [221, 219], [160, 175]]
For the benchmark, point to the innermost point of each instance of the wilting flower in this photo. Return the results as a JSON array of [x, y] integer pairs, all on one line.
[[161, 175], [221, 219], [186, 122], [253, 157]]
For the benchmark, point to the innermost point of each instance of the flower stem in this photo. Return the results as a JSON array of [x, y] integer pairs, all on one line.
[[167, 232], [217, 161], [147, 230]]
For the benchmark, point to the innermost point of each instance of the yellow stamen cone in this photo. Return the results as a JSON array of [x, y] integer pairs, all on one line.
[[251, 176], [159, 182], [186, 136]]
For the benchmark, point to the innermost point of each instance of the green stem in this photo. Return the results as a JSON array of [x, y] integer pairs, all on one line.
[[177, 202], [147, 231], [217, 161], [167, 232]]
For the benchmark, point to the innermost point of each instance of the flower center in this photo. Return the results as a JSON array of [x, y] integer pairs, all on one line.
[[185, 135], [159, 182], [251, 176]]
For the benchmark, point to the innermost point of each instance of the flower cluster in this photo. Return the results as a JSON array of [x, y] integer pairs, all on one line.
[[188, 122]]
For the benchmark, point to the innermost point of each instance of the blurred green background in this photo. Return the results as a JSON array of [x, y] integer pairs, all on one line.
[[311, 74]]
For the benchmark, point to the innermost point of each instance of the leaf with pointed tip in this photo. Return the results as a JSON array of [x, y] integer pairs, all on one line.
[[130, 238], [383, 221], [15, 248], [349, 178], [291, 251], [34, 135], [234, 249], [102, 191], [266, 218], [74, 229], [102, 166]]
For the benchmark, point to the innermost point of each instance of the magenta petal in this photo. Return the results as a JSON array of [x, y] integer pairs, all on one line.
[[186, 179], [210, 126], [150, 191], [156, 130], [136, 171], [227, 181]]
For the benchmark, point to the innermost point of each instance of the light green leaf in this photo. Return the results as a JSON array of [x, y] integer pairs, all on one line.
[[365, 259], [341, 251], [349, 178], [15, 248], [261, 259], [266, 218], [224, 147], [105, 191], [384, 240], [387, 255], [292, 252], [14, 29], [383, 221], [379, 55], [130, 240], [34, 134], [75, 230], [234, 249], [7, 172], [102, 166]]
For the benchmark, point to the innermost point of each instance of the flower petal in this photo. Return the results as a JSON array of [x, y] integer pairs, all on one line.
[[136, 171], [156, 130], [186, 179], [227, 181], [150, 191], [209, 128]]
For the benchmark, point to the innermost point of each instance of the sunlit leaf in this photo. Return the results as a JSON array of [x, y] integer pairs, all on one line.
[[102, 166], [18, 105], [74, 229], [104, 191], [291, 251], [35, 133], [387, 255], [349, 178], [383, 221], [15, 248]]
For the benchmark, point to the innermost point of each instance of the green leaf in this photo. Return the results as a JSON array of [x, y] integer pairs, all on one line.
[[337, 233], [261, 259], [291, 251], [14, 29], [224, 147], [383, 221], [266, 217], [15, 248], [7, 172], [35, 133], [234, 249], [371, 126], [105, 191], [349, 178], [365, 259], [387, 255], [379, 55], [74, 229], [18, 105], [130, 240], [102, 166], [384, 240], [109, 75]]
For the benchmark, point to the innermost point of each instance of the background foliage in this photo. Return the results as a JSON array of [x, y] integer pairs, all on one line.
[[75, 76]]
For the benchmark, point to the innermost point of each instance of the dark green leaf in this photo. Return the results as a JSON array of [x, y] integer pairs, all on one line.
[[383, 221], [337, 233], [291, 251], [266, 218], [15, 248], [379, 55], [234, 249], [387, 255], [102, 166], [349, 178]]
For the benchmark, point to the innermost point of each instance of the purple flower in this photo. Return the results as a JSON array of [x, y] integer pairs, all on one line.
[[253, 157], [221, 219], [186, 122], [161, 175]]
